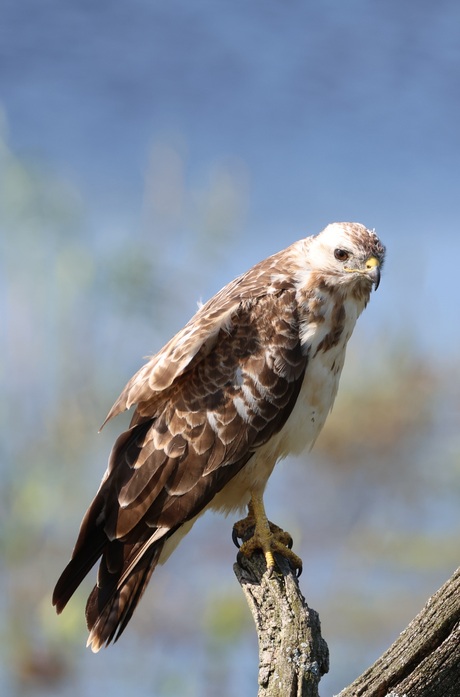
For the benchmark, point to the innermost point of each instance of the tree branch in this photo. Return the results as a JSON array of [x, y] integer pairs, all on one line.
[[423, 662], [425, 658], [292, 653]]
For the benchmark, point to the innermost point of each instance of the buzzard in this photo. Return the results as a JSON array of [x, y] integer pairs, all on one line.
[[250, 379]]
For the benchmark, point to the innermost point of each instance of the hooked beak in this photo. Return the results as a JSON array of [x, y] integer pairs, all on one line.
[[373, 271]]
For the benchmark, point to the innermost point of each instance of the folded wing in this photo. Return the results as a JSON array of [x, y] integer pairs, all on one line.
[[217, 392]]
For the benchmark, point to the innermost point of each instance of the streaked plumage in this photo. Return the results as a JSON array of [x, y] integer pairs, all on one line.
[[248, 380]]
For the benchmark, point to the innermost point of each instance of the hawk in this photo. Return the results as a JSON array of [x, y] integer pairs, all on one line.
[[250, 379]]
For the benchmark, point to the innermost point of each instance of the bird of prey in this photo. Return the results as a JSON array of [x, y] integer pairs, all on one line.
[[250, 379]]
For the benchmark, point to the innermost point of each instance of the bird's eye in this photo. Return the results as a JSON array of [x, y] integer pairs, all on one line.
[[341, 254]]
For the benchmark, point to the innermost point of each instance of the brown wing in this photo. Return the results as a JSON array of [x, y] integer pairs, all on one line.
[[185, 444], [200, 335]]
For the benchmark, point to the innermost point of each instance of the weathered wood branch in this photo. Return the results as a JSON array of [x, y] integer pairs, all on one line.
[[423, 662], [292, 653], [425, 659]]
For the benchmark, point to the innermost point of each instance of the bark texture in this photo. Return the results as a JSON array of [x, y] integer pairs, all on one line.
[[423, 662], [292, 653], [425, 659]]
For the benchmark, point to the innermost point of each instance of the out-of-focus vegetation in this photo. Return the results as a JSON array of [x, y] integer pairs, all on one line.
[[375, 500], [71, 305]]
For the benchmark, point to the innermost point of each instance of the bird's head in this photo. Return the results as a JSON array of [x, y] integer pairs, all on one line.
[[350, 254]]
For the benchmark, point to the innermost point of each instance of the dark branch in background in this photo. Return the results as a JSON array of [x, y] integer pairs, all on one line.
[[423, 662]]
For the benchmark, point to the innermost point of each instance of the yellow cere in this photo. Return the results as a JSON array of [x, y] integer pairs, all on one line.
[[372, 262]]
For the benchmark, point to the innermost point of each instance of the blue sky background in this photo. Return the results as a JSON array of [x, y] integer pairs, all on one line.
[[326, 111], [258, 122]]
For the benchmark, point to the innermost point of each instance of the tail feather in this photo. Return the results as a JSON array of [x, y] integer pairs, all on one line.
[[77, 568], [90, 545], [110, 606]]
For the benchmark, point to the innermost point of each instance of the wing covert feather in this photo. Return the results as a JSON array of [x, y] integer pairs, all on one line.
[[215, 417], [200, 335]]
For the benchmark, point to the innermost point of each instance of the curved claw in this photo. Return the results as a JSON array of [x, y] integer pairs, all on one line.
[[256, 532], [235, 537], [279, 542]]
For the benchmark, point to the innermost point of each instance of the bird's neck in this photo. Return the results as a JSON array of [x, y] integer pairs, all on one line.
[[328, 315]]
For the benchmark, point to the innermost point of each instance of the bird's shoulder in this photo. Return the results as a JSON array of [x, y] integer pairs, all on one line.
[[264, 295]]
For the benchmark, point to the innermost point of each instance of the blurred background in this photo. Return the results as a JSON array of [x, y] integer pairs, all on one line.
[[149, 152]]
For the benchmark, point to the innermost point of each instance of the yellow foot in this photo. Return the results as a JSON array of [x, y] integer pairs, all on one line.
[[258, 533]]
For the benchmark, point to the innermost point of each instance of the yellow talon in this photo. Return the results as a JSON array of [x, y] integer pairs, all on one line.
[[258, 533], [270, 559]]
